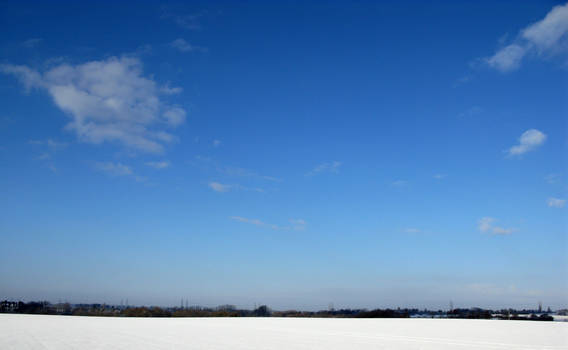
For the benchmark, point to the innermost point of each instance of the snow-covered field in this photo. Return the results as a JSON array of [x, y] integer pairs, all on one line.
[[70, 332]]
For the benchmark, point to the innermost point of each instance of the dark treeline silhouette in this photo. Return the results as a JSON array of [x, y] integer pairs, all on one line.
[[46, 308], [388, 313], [342, 313], [470, 313]]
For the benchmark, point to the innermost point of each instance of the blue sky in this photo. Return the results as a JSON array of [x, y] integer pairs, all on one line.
[[295, 154]]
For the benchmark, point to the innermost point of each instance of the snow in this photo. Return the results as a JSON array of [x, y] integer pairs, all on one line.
[[75, 332]]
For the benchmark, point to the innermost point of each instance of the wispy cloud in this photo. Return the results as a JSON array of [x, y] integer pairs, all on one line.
[[545, 38], [183, 46], [189, 21], [412, 230], [471, 112], [399, 183], [270, 178], [51, 144], [247, 220], [298, 224], [261, 223], [461, 81], [237, 171], [486, 225], [329, 167], [552, 178], [508, 58], [48, 148], [298, 221], [114, 169], [219, 187], [440, 176], [174, 116], [158, 165], [217, 143], [208, 163], [503, 231], [108, 101], [31, 43], [556, 202], [168, 90], [528, 141]]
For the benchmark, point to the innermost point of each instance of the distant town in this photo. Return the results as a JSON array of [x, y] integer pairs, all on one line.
[[184, 310]]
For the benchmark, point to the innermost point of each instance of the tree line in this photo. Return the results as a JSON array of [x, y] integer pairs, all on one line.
[[46, 308]]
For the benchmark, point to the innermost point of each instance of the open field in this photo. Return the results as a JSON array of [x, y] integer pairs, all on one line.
[[72, 332]]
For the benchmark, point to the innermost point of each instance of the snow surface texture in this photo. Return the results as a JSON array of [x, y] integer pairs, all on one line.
[[73, 332]]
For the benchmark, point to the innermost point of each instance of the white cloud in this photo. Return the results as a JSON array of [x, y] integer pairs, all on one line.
[[107, 101], [556, 202], [183, 46], [528, 141], [175, 116], [332, 167], [114, 169], [27, 76], [158, 165], [440, 176], [550, 31], [219, 187], [508, 58], [168, 90], [217, 143], [485, 224], [546, 37]]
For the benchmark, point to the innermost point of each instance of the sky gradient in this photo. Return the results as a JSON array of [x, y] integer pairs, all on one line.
[[295, 154]]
